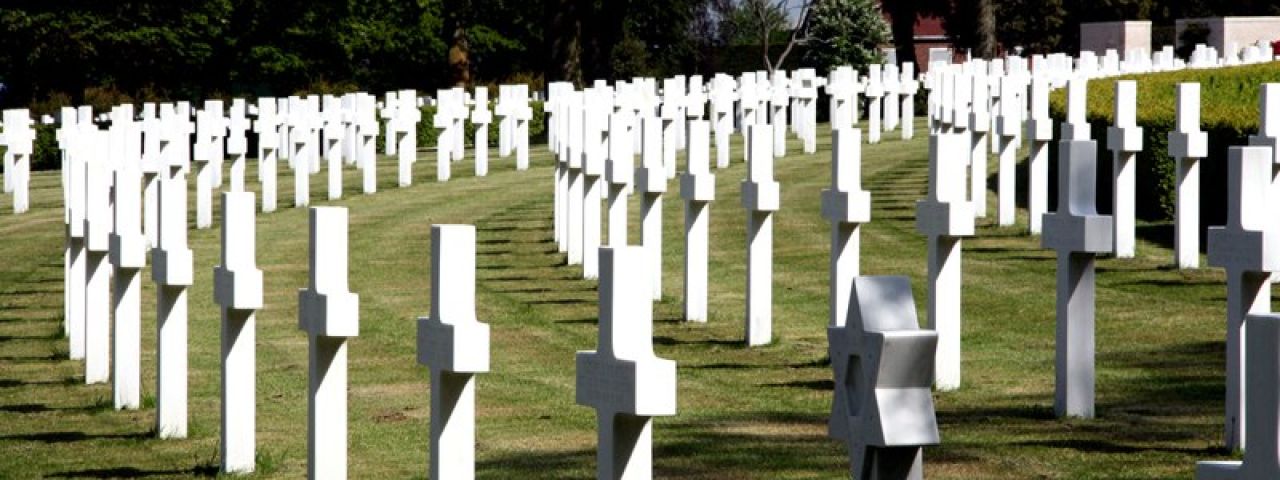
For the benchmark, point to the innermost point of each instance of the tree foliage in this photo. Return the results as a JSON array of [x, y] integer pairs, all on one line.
[[845, 32]]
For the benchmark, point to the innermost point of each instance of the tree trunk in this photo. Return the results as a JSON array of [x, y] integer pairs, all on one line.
[[564, 40], [986, 42], [902, 16]]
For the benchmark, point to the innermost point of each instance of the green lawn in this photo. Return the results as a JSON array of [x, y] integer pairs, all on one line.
[[743, 413]]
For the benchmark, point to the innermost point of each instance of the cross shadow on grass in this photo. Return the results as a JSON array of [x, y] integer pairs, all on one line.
[[207, 470]]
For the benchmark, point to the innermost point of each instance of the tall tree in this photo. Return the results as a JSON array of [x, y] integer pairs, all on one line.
[[986, 46], [846, 32]]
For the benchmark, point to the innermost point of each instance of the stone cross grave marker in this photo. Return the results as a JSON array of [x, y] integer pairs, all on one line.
[[847, 206], [1078, 234], [80, 148], [909, 87], [760, 198], [210, 128], [237, 289], [945, 217], [779, 96], [1262, 460], [481, 117], [622, 379], [1269, 127], [698, 189], [1008, 128], [455, 346], [267, 126], [1188, 144], [19, 138], [152, 130], [404, 127], [98, 173], [892, 90], [597, 108], [883, 409], [574, 178], [1124, 139], [619, 170], [723, 96], [1077, 125], [842, 89], [330, 314], [1040, 133], [237, 142], [128, 255], [390, 103], [875, 96], [366, 122], [1246, 247], [651, 184], [334, 130], [980, 134], [171, 270]]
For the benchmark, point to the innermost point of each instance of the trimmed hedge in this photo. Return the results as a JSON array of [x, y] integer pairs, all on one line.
[[1228, 113]]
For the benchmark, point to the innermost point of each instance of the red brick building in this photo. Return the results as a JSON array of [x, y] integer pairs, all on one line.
[[927, 32]]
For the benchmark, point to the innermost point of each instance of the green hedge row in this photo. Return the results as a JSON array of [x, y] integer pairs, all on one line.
[[1228, 113]]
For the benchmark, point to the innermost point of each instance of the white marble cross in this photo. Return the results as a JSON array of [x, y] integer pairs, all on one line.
[[651, 185], [171, 270], [237, 142], [128, 255], [1008, 128], [208, 152], [619, 171], [455, 346], [843, 89], [1247, 248], [946, 216], [883, 408], [481, 117], [779, 97], [237, 289], [334, 130], [1078, 234], [1188, 144], [330, 314], [622, 379], [404, 129], [267, 127], [19, 138], [761, 197], [909, 87], [1269, 127], [98, 173], [443, 120], [875, 96], [366, 122], [723, 95], [1040, 133], [979, 131], [387, 112], [597, 107], [698, 189], [1077, 125], [1124, 139], [1262, 459], [78, 148], [847, 206]]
